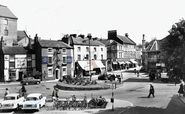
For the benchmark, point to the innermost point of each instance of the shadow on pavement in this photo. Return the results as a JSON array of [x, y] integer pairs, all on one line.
[[137, 80], [134, 110], [144, 97]]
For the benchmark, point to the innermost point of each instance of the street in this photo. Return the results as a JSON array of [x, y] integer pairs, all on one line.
[[134, 90]]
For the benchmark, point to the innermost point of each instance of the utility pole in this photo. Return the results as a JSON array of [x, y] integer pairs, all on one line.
[[89, 36]]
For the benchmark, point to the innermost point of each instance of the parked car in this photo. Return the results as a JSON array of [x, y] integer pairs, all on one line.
[[11, 101], [30, 80], [34, 101]]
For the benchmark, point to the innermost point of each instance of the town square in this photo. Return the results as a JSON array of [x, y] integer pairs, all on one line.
[[92, 57]]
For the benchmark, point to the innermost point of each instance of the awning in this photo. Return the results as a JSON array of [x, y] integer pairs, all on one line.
[[114, 62], [84, 65], [128, 62], [121, 62], [133, 61], [99, 64], [94, 64]]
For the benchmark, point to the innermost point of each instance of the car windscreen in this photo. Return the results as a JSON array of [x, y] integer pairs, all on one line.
[[9, 98], [31, 99]]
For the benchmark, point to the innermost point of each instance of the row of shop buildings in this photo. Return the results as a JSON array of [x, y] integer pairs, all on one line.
[[74, 55]]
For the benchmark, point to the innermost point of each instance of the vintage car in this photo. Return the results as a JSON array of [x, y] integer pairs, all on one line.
[[11, 101], [30, 80], [34, 101]]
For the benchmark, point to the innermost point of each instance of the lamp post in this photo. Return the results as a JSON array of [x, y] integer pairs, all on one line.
[[89, 36]]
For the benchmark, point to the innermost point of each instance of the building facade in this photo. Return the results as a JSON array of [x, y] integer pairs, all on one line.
[[8, 26], [121, 52], [53, 59], [89, 54], [150, 54], [16, 62]]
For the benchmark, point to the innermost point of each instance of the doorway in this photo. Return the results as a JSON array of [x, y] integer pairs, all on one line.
[[20, 75], [57, 73]]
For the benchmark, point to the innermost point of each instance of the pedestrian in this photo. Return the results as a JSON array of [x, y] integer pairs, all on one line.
[[23, 90], [181, 90], [151, 91], [6, 92], [55, 93]]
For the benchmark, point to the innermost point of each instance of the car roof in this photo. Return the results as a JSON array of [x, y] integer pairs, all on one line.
[[34, 95], [12, 94]]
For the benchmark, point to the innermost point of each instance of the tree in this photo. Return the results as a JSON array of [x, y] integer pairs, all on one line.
[[173, 49]]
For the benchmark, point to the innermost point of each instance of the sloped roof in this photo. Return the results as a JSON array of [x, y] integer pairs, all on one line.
[[154, 45], [53, 44], [126, 40], [21, 35], [5, 12], [17, 50], [105, 41], [85, 41]]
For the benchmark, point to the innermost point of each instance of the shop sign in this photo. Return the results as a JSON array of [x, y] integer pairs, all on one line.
[[69, 59], [44, 60]]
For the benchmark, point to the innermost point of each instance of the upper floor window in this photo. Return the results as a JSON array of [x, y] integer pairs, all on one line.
[[95, 57], [50, 59], [101, 57], [5, 21], [50, 50], [6, 32], [79, 57], [95, 49], [64, 50], [87, 49], [64, 59], [79, 49], [101, 49]]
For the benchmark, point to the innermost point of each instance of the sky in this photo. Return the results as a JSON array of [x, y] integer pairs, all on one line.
[[51, 19]]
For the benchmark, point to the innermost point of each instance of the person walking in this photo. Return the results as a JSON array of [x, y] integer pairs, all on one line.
[[151, 91], [55, 93], [6, 92], [181, 90]]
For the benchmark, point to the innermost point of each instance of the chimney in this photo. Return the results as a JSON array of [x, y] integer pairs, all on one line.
[[81, 36], [35, 41], [126, 35], [73, 35], [29, 43], [143, 43], [1, 43]]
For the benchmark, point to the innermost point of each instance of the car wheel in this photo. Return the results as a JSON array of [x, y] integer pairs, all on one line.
[[18, 107]]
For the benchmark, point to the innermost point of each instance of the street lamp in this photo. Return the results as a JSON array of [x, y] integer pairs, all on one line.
[[89, 36]]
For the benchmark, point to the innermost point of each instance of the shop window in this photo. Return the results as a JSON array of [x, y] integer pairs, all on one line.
[[50, 71], [12, 58], [12, 64], [64, 70], [29, 63]]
